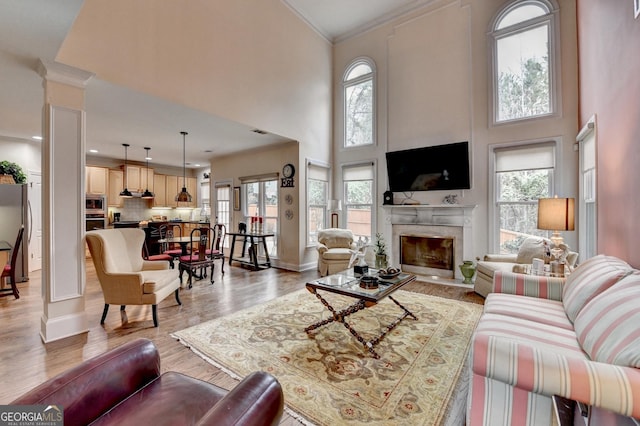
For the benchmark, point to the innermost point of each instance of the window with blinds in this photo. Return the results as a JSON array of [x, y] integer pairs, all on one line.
[[317, 199], [523, 174], [358, 199]]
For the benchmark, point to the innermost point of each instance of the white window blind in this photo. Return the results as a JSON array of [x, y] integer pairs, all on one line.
[[359, 172], [527, 157]]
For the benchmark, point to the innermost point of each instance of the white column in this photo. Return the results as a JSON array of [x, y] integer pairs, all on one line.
[[63, 190]]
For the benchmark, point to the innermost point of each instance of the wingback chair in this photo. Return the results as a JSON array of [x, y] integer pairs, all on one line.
[[125, 277], [335, 247]]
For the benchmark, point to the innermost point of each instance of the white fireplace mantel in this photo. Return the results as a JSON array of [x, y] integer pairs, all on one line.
[[452, 219], [431, 214]]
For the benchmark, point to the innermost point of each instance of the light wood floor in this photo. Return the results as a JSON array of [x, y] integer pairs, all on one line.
[[26, 361]]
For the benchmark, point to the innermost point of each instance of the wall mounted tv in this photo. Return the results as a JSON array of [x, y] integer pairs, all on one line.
[[430, 168]]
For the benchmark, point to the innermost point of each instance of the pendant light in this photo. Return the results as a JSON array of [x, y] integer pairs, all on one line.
[[125, 192], [183, 196], [147, 195]]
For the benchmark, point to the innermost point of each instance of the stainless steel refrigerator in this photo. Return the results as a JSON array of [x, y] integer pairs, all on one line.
[[14, 212]]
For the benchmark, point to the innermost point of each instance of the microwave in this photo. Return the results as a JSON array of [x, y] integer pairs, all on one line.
[[95, 203]]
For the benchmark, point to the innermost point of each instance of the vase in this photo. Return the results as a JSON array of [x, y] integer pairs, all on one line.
[[381, 261], [468, 269]]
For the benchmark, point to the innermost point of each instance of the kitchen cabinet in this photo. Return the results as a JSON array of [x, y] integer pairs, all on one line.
[[96, 180], [160, 190], [116, 182], [172, 190], [137, 177], [146, 179], [193, 190]]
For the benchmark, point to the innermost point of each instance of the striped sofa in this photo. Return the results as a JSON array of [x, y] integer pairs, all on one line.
[[578, 338]]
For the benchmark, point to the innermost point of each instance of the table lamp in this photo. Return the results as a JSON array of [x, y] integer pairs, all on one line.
[[556, 214], [335, 206]]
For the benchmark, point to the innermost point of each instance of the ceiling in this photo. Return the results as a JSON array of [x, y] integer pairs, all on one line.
[[31, 30]]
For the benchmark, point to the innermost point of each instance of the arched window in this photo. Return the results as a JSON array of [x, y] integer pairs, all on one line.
[[524, 60], [359, 103]]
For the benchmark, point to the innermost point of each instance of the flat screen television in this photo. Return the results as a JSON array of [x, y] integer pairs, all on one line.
[[430, 168]]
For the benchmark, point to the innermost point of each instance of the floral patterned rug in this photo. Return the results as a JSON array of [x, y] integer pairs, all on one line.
[[329, 378]]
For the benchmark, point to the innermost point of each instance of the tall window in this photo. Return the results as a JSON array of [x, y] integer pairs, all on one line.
[[523, 174], [523, 36], [223, 205], [358, 199], [260, 195], [359, 114], [317, 196]]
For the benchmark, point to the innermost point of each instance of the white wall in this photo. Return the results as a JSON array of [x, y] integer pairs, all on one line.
[[27, 154], [433, 88], [252, 61]]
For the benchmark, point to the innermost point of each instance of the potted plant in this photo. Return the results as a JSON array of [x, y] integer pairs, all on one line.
[[381, 252], [14, 171]]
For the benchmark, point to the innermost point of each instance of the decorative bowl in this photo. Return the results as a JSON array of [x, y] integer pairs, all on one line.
[[368, 281]]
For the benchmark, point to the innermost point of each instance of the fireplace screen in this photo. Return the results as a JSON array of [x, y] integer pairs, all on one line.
[[427, 251]]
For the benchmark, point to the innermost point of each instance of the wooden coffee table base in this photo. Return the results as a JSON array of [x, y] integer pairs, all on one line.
[[340, 316]]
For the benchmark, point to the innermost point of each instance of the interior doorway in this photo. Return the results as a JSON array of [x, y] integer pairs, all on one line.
[[35, 220]]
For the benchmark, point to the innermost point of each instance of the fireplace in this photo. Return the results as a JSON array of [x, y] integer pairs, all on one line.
[[431, 240], [430, 255]]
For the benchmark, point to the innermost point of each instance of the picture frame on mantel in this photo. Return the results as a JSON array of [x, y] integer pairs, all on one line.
[[236, 198]]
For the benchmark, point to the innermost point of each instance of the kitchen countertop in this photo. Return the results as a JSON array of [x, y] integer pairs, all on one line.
[[145, 223]]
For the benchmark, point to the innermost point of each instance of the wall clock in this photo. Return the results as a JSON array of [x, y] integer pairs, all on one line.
[[288, 170]]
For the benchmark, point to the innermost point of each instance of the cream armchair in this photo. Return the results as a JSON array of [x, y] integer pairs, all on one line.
[[532, 247], [125, 277], [335, 247]]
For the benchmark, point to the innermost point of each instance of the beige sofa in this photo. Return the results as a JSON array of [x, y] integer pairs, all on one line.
[[335, 248], [532, 247], [125, 277]]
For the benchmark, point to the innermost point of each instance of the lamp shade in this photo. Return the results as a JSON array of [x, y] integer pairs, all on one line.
[[556, 214], [335, 205]]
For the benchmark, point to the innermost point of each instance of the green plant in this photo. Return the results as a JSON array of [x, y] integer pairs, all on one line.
[[9, 168], [381, 246]]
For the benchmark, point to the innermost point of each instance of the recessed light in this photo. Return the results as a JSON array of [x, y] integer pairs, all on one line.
[[196, 165], [38, 138], [93, 151]]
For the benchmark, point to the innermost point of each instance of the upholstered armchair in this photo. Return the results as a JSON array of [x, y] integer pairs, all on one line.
[[335, 247], [125, 277], [532, 247]]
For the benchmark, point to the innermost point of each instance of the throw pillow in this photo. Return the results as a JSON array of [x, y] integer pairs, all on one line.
[[589, 279], [607, 327], [531, 248]]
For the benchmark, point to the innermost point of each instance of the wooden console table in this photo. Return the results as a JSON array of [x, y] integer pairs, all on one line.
[[250, 257]]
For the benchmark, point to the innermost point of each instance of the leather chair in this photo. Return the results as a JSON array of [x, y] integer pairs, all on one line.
[[335, 248], [124, 386], [9, 270], [125, 277]]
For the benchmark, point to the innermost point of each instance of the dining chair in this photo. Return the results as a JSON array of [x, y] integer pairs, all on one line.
[[170, 231], [197, 260], [9, 270], [216, 251], [162, 257]]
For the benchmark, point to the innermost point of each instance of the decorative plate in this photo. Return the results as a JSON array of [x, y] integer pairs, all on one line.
[[289, 214], [289, 199], [389, 276]]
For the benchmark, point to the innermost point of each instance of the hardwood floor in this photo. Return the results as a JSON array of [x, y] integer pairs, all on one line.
[[27, 361]]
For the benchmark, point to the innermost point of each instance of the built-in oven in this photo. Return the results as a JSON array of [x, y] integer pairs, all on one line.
[[95, 212]]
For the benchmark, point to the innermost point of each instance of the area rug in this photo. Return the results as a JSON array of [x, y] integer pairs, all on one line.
[[328, 377]]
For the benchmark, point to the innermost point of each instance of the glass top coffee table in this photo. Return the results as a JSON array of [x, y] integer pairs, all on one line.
[[347, 284]]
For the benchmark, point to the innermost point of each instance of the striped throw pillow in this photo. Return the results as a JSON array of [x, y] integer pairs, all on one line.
[[607, 327], [589, 279]]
